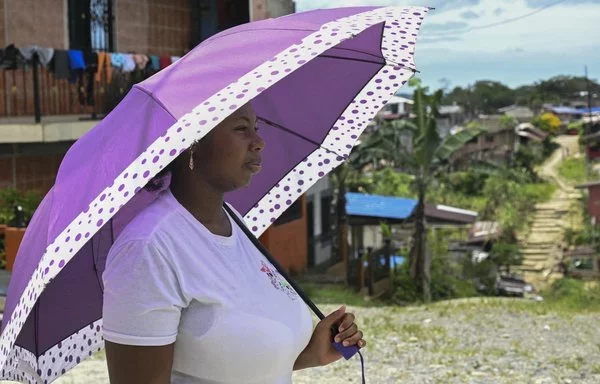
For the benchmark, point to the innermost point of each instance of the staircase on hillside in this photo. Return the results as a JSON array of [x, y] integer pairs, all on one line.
[[542, 246]]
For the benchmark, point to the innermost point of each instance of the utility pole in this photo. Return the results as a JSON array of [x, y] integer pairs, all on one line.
[[588, 126]]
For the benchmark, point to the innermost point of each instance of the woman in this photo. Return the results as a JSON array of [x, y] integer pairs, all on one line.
[[190, 299]]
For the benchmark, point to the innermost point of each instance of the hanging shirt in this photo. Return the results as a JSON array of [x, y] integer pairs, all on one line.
[[104, 67], [60, 64], [44, 54], [155, 63], [164, 61], [76, 60], [232, 316], [140, 61], [128, 63], [117, 60]]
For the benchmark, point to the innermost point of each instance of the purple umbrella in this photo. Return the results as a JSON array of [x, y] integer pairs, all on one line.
[[315, 80]]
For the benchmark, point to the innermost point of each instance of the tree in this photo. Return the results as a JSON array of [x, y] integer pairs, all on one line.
[[389, 182], [548, 122], [488, 96], [506, 255], [348, 177], [509, 122], [426, 159], [482, 97], [345, 178]]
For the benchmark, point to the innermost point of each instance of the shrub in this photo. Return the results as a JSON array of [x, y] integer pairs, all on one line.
[[11, 197]]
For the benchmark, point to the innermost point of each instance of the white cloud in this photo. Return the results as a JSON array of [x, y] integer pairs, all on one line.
[[559, 39]]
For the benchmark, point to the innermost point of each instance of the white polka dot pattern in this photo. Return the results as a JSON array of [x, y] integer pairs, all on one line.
[[398, 40], [178, 137], [58, 359]]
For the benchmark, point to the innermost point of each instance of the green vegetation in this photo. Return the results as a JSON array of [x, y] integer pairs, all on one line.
[[338, 294], [10, 197], [573, 170]]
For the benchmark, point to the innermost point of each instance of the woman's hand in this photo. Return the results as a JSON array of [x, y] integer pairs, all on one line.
[[319, 350]]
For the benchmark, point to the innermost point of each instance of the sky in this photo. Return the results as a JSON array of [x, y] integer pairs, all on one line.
[[551, 37]]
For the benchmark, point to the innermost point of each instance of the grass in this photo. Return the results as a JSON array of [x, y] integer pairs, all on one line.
[[572, 170], [421, 332], [572, 363], [338, 294], [539, 192], [566, 297]]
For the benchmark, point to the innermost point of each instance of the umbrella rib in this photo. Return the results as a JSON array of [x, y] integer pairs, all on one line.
[[352, 59], [278, 126], [357, 51], [386, 62]]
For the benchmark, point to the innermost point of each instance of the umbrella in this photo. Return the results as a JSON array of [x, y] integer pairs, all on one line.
[[315, 80]]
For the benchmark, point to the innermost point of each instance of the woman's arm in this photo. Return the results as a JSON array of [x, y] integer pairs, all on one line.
[[128, 364]]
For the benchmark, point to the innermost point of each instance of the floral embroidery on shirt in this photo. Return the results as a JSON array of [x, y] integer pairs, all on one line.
[[278, 282]]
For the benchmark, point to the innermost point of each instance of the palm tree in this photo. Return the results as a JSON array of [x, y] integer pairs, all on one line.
[[425, 158], [345, 178]]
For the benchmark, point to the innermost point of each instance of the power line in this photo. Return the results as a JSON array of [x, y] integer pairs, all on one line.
[[506, 21]]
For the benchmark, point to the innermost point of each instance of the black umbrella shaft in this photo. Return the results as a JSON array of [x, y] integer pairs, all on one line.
[[271, 259]]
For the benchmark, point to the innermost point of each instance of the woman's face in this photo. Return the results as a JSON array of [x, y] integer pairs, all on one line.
[[230, 154]]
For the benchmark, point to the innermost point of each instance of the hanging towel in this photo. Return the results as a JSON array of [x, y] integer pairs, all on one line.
[[60, 64], [117, 60], [104, 66], [141, 61], [175, 58], [76, 60], [164, 62], [11, 58], [154, 63], [128, 63], [91, 61]]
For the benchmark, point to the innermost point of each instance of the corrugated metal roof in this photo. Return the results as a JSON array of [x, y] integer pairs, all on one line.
[[562, 110], [358, 204]]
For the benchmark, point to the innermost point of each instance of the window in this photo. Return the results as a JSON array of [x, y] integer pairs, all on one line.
[[91, 25], [325, 216]]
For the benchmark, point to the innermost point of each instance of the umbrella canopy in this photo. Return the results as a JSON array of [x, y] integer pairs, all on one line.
[[315, 80]]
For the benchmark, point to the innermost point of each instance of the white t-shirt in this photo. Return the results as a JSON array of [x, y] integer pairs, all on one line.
[[232, 316]]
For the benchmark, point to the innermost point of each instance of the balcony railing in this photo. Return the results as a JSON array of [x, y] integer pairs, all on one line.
[[34, 91]]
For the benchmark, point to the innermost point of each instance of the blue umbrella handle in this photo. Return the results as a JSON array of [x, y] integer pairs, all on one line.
[[347, 352]]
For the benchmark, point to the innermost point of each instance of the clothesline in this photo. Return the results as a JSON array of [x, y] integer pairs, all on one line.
[[69, 64]]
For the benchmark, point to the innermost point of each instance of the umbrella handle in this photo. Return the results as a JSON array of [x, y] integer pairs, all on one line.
[[347, 352]]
